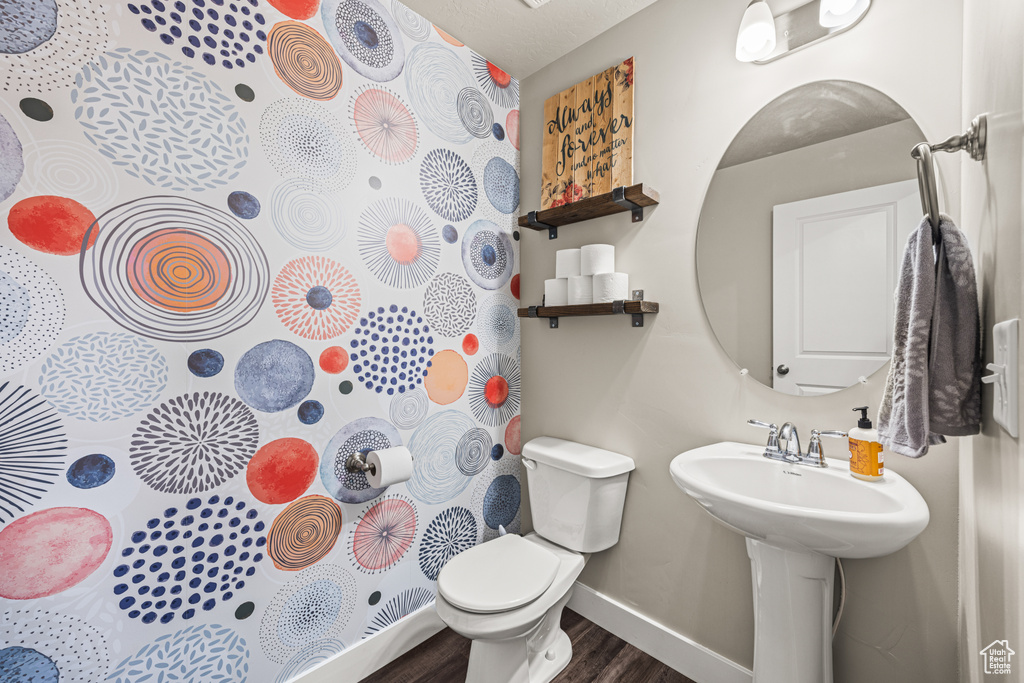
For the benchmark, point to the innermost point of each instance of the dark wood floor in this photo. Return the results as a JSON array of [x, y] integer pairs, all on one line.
[[597, 657]]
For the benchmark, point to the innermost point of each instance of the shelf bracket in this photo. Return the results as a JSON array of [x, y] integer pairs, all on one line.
[[619, 306], [531, 218], [553, 323], [638, 320], [619, 197], [532, 312]]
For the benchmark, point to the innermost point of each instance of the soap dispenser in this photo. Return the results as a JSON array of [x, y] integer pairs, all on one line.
[[866, 459]]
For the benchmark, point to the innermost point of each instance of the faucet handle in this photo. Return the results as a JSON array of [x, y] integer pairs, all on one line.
[[773, 434], [814, 449]]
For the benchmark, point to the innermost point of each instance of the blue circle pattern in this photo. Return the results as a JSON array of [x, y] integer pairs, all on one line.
[[274, 376], [450, 234], [499, 132], [310, 412], [25, 665], [501, 502], [497, 451], [392, 350], [205, 362], [189, 559], [243, 204], [208, 32], [501, 184], [91, 471]]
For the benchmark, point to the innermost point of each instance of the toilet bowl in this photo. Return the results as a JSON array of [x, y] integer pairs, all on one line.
[[507, 595]]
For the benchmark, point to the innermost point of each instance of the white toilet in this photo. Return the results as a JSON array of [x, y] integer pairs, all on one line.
[[507, 594]]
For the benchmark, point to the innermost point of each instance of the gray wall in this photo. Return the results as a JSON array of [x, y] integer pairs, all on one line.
[[655, 392], [992, 476], [734, 242]]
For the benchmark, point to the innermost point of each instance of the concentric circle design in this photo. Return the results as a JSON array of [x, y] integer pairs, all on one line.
[[488, 255], [304, 533], [448, 185], [436, 477], [385, 124], [473, 453], [173, 269], [103, 376], [194, 442], [494, 389], [451, 532], [67, 169], [359, 436], [31, 308], [304, 60], [316, 298], [434, 77], [411, 23], [383, 534], [398, 243], [305, 218], [499, 86], [475, 112], [208, 153], [315, 605], [498, 324], [303, 139], [409, 409], [449, 304], [365, 36]]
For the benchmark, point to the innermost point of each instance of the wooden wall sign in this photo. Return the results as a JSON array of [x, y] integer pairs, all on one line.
[[588, 137]]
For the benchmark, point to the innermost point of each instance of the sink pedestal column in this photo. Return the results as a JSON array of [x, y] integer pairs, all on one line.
[[792, 614]]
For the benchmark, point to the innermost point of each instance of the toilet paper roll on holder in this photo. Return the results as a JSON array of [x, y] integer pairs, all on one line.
[[357, 463]]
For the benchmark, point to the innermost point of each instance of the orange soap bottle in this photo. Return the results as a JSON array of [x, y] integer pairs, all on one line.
[[866, 459]]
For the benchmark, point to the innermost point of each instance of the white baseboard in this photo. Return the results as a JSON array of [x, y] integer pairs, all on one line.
[[366, 656], [677, 651]]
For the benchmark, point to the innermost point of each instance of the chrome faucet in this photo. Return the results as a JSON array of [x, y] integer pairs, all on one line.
[[815, 456]]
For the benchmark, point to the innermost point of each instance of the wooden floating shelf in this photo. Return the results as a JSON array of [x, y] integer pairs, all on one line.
[[637, 309], [619, 200]]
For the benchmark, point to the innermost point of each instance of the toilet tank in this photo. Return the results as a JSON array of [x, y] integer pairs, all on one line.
[[576, 492]]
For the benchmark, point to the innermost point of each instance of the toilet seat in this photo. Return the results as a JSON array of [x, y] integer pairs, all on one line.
[[498, 576]]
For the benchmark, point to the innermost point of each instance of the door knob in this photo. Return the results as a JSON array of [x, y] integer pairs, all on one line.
[[782, 370]]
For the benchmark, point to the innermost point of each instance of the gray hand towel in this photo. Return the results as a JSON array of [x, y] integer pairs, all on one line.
[[934, 382]]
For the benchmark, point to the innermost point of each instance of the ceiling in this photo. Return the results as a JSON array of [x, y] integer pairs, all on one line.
[[521, 40], [810, 114]]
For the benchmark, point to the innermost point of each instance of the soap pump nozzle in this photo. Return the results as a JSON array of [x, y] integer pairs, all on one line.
[[863, 422]]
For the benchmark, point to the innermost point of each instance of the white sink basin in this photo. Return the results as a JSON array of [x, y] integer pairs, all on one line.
[[796, 520], [794, 506]]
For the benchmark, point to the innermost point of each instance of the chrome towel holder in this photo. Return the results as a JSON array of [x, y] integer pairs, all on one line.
[[973, 142]]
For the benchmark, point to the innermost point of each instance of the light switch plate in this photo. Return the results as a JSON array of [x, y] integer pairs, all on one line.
[[1005, 403]]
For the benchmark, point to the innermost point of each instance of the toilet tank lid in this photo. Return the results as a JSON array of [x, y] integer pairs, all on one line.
[[577, 458]]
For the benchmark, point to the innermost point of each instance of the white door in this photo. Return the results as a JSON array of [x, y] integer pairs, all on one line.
[[834, 265]]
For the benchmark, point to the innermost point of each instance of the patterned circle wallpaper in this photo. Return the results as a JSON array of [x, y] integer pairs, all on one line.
[[243, 239]]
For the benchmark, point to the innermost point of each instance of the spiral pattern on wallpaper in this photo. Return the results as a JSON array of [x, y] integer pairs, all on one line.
[[473, 453], [304, 60], [475, 112], [409, 409], [304, 533]]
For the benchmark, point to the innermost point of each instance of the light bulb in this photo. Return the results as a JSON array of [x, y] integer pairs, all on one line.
[[756, 37], [836, 13]]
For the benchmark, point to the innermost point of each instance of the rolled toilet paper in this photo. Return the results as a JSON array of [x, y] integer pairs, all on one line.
[[597, 258], [581, 290], [610, 287], [389, 466], [567, 263], [556, 292]]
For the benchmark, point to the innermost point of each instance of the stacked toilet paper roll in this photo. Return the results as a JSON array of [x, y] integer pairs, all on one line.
[[389, 466], [556, 292], [597, 258], [581, 290], [610, 287], [567, 263]]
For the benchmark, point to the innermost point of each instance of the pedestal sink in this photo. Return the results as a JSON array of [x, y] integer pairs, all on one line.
[[797, 520]]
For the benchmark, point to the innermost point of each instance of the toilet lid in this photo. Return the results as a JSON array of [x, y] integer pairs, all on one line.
[[497, 576]]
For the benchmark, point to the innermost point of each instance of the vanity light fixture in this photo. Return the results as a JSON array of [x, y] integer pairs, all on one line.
[[835, 13], [756, 37], [794, 30]]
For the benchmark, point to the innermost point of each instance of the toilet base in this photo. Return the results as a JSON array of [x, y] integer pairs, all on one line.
[[535, 657]]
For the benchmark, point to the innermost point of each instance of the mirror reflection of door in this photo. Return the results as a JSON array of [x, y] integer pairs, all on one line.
[[827, 141], [834, 266]]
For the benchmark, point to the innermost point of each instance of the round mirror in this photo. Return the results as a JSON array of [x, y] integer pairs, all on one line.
[[802, 232]]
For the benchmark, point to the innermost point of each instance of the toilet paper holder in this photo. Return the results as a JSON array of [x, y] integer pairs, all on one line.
[[357, 463]]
